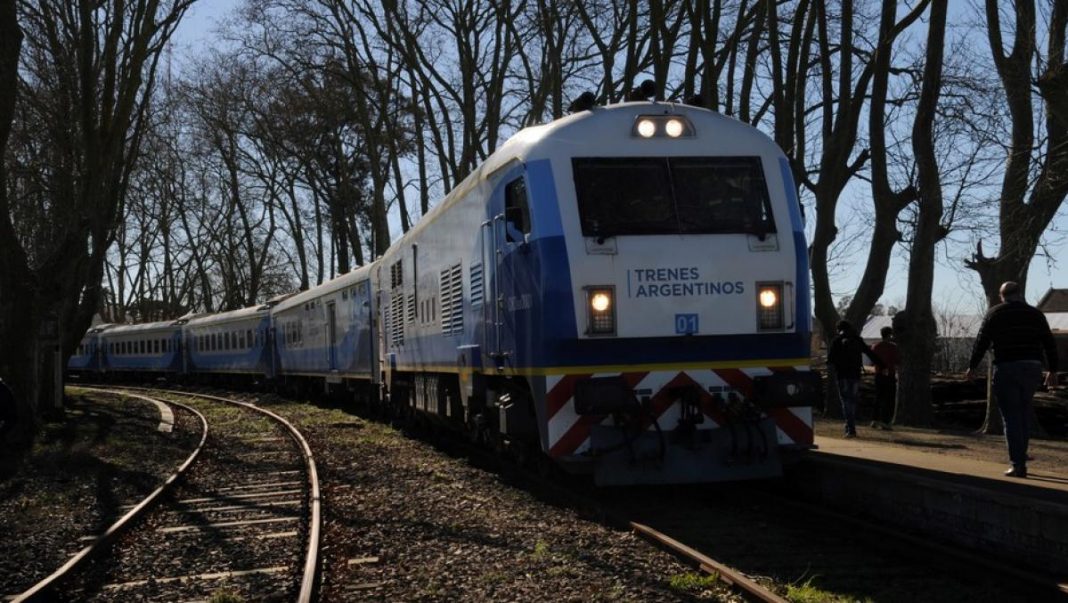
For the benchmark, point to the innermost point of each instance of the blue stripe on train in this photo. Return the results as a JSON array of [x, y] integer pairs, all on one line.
[[651, 350], [804, 311]]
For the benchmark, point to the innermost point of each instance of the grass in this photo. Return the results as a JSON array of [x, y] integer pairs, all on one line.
[[495, 578], [692, 582], [225, 596], [541, 551], [806, 592]]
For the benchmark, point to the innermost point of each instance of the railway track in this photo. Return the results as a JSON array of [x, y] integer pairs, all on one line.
[[774, 548], [241, 516], [768, 547], [771, 547]]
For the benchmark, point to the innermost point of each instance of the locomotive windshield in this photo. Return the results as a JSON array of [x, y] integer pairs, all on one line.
[[672, 195]]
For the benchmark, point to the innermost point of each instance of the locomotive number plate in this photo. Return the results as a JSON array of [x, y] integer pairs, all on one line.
[[686, 324]]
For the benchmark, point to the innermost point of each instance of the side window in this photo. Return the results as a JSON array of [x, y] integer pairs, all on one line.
[[516, 211]]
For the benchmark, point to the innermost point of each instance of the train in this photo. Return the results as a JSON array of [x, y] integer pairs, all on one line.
[[623, 291]]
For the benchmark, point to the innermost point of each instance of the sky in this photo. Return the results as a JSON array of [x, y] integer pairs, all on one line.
[[195, 30], [957, 289]]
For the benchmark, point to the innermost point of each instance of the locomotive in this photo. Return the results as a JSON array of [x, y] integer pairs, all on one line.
[[623, 290]]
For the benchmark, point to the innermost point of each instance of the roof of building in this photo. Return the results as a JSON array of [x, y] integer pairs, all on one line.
[[1058, 321], [1055, 300], [952, 326], [956, 326]]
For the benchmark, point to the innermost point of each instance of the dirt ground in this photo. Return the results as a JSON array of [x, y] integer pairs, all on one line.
[[959, 412]]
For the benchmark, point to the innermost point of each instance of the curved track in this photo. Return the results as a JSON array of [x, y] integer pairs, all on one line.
[[244, 519], [45, 588]]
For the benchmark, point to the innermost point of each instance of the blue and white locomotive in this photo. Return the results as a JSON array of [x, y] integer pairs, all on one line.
[[626, 287], [624, 290]]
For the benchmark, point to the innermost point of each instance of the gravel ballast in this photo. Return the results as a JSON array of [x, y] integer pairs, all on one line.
[[107, 452], [404, 521]]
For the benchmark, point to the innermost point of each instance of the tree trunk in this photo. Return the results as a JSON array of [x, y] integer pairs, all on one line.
[[918, 334], [1027, 204], [18, 318]]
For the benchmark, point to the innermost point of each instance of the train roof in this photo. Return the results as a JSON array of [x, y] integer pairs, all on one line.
[[344, 281], [608, 124], [164, 325], [230, 316]]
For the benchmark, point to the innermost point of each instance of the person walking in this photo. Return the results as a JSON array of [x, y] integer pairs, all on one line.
[[886, 379], [1019, 334], [845, 356]]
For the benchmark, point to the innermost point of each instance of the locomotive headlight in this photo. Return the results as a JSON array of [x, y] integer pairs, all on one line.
[[768, 298], [600, 303], [646, 128], [770, 315], [674, 128]]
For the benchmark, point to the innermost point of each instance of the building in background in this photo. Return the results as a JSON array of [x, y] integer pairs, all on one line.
[[1055, 306], [956, 336]]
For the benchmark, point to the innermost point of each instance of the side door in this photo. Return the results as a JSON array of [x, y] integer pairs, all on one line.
[[331, 333], [491, 311], [505, 250]]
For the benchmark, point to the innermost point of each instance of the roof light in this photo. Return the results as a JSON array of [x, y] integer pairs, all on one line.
[[662, 126]]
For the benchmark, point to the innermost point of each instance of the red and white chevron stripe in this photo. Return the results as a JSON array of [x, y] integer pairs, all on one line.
[[569, 433]]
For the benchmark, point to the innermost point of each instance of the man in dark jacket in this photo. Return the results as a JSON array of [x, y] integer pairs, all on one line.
[[844, 355], [1020, 334]]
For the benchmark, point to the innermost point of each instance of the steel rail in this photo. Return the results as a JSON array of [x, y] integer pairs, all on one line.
[[750, 588], [311, 563], [40, 590], [1038, 582]]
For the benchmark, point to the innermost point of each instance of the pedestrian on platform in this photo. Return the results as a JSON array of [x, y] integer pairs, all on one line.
[[1019, 334], [886, 379], [8, 412], [844, 356]]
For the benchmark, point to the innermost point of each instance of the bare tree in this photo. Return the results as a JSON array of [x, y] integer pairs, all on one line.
[[88, 72], [841, 109], [1035, 180]]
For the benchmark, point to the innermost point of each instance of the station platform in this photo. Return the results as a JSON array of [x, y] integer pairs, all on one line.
[[1041, 483], [949, 487]]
